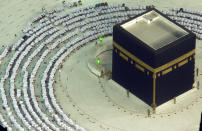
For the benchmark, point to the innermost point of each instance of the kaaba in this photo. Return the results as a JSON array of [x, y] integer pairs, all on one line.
[[2, 128], [153, 57]]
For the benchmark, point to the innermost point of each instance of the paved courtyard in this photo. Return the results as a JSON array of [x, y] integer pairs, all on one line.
[[95, 103]]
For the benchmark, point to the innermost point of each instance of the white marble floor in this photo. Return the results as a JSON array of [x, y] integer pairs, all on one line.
[[101, 105]]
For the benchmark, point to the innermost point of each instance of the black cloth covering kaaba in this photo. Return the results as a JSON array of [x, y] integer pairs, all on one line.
[[144, 71]]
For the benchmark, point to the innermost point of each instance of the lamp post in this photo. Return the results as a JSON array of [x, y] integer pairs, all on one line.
[[100, 38], [98, 64]]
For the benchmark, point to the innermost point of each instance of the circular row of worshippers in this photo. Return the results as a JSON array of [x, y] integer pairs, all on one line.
[[26, 98], [21, 47], [190, 19]]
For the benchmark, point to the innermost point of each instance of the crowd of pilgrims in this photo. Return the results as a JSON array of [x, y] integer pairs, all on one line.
[[79, 27]]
